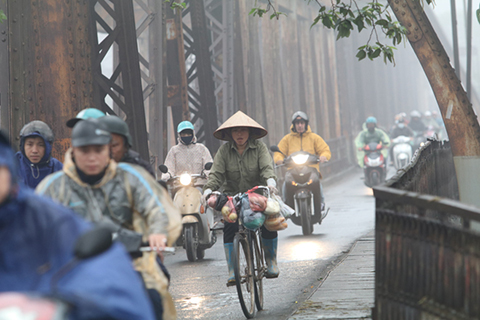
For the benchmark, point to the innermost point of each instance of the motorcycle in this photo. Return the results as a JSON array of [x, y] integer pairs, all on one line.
[[35, 306], [374, 167], [402, 151], [304, 182], [197, 234]]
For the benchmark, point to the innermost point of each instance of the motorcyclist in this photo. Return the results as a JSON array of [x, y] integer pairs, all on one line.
[[430, 122], [416, 124], [400, 129], [121, 144], [373, 134], [123, 196], [37, 237], [302, 138], [89, 113], [188, 155], [34, 160], [239, 165]]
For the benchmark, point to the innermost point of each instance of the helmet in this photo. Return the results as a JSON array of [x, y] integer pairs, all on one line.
[[371, 120], [427, 114], [300, 114], [114, 124], [415, 114], [90, 132], [185, 125], [37, 127], [85, 114]]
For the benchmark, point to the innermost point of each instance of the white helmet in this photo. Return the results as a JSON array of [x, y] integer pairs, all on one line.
[[415, 114]]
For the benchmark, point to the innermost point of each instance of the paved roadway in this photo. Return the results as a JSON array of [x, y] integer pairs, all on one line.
[[199, 288]]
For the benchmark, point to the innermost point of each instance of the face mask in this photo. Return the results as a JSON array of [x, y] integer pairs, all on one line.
[[401, 125], [187, 140]]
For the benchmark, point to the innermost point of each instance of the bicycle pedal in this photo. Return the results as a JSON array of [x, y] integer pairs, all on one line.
[[231, 284]]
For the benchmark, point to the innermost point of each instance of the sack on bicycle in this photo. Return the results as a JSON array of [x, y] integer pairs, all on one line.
[[251, 219]]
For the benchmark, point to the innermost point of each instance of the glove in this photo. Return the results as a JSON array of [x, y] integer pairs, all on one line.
[[205, 196], [272, 185]]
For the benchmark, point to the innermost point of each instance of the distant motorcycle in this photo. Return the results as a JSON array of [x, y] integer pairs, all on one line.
[[197, 235], [402, 151], [304, 181], [374, 167]]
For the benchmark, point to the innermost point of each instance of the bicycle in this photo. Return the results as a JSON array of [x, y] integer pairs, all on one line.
[[249, 268]]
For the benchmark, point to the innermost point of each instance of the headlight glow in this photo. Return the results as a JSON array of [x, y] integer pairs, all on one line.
[[300, 158], [185, 179]]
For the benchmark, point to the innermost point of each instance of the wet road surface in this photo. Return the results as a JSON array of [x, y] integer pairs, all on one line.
[[199, 288]]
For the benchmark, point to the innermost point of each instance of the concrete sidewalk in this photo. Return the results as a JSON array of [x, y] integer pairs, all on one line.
[[348, 290]]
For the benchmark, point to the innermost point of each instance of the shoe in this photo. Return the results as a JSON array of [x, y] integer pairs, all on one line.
[[270, 251], [229, 255], [322, 207]]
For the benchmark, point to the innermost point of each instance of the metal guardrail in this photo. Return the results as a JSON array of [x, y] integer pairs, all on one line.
[[427, 252], [342, 156]]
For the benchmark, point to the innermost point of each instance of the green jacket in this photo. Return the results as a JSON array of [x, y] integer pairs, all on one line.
[[240, 173]]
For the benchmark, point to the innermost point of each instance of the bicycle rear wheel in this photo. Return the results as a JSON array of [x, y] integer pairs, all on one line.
[[259, 267], [244, 275]]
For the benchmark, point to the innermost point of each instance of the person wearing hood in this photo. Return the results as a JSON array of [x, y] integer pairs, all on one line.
[[122, 196], [34, 159], [188, 155], [239, 165], [301, 138], [121, 144], [37, 240]]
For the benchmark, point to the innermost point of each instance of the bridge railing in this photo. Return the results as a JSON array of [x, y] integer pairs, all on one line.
[[427, 254], [342, 156]]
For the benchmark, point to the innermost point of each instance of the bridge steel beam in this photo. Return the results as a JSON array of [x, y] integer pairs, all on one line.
[[46, 66], [123, 86]]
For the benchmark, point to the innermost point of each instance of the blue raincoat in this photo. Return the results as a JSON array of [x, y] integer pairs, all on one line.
[[37, 238], [32, 174]]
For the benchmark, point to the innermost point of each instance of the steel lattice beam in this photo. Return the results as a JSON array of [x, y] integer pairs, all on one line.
[[118, 21]]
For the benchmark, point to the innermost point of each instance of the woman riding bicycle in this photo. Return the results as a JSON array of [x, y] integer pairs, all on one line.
[[239, 165]]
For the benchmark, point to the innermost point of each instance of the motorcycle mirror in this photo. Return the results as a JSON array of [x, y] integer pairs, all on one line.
[[208, 165], [163, 168], [92, 243], [275, 149]]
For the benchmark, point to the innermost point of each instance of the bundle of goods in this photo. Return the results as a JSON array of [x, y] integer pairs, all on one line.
[[223, 203], [255, 209]]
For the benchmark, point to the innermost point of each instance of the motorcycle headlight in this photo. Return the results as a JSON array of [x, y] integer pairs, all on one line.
[[300, 158], [185, 179]]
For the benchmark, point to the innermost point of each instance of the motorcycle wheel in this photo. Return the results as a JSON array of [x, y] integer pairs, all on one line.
[[307, 227], [200, 253], [190, 243], [375, 177]]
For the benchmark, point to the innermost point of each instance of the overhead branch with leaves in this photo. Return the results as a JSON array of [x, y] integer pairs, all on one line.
[[346, 16]]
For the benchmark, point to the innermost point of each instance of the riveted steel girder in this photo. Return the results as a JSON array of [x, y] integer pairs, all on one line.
[[49, 66]]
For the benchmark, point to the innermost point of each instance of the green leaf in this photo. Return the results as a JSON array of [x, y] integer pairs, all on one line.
[[478, 14], [376, 53], [361, 55], [2, 16], [382, 22]]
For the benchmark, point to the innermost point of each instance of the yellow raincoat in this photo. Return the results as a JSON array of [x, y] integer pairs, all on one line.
[[308, 141]]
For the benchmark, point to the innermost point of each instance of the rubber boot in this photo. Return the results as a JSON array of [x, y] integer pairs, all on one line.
[[270, 251], [229, 255]]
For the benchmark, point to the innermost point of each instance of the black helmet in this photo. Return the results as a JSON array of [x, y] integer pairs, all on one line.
[[37, 127], [116, 125], [90, 132], [299, 114]]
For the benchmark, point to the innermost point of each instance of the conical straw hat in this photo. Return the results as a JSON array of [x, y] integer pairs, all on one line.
[[239, 119]]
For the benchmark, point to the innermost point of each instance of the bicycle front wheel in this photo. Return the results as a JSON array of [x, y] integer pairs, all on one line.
[[244, 275], [259, 267]]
